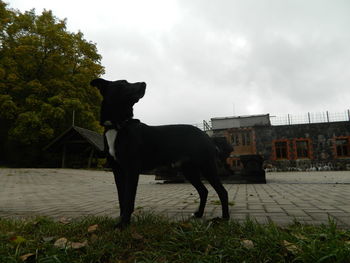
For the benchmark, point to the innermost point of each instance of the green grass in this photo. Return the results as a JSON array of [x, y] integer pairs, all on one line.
[[157, 239], [218, 202]]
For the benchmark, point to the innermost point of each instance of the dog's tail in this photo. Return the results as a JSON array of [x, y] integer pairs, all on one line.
[[223, 150]]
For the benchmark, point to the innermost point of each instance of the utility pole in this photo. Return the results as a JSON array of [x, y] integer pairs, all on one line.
[[73, 119]]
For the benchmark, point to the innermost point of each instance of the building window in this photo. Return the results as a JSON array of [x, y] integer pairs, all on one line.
[[235, 139], [237, 163], [342, 147], [246, 138], [281, 149], [241, 138], [302, 149]]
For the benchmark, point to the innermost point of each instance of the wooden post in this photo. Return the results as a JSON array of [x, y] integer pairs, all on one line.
[[73, 118], [64, 156], [90, 157]]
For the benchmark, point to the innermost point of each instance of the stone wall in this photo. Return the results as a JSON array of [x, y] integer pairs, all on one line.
[[321, 137]]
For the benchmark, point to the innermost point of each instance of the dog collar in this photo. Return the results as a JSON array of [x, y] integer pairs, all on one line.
[[121, 125]]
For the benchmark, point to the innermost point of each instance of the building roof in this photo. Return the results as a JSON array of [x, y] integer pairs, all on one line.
[[93, 138], [223, 123], [241, 117]]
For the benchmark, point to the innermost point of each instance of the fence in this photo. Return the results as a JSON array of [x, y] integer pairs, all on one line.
[[292, 119], [204, 126], [310, 117]]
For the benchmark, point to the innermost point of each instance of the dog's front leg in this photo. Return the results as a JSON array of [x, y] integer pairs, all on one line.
[[129, 185], [119, 178]]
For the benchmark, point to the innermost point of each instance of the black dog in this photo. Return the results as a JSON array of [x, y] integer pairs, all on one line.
[[134, 147]]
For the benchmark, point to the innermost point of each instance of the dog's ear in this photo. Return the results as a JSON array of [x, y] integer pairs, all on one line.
[[100, 84]]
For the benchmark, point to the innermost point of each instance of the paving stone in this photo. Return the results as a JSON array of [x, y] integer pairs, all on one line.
[[320, 216], [256, 206], [262, 219], [295, 212], [273, 209], [239, 216], [305, 197], [282, 221]]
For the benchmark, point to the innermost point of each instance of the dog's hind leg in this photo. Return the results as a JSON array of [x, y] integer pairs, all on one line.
[[209, 171], [192, 174]]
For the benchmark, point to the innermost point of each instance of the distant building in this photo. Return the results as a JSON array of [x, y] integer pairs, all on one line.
[[240, 121], [309, 146]]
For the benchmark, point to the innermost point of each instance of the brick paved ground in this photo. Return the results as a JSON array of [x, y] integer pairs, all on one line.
[[307, 197]]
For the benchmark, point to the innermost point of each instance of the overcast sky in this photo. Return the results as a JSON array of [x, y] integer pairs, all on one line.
[[204, 58]]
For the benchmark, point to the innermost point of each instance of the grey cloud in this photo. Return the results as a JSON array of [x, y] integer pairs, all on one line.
[[292, 56], [226, 57]]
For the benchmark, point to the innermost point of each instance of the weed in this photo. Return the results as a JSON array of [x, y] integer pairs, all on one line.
[[218, 202]]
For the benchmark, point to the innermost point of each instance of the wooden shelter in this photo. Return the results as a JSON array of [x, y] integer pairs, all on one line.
[[78, 147]]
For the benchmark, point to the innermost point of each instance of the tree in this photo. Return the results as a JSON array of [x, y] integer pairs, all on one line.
[[44, 75]]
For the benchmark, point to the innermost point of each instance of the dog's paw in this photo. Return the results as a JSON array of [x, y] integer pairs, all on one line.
[[121, 226], [226, 218], [197, 215], [217, 220]]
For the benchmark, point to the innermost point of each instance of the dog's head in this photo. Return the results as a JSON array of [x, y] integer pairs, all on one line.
[[119, 98]]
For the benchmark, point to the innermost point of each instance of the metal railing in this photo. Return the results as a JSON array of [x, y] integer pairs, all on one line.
[[204, 126], [310, 117], [293, 119]]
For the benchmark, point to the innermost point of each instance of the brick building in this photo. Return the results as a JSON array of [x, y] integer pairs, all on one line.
[[310, 146]]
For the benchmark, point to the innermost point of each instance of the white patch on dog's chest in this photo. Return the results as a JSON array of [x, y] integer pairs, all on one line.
[[111, 136]]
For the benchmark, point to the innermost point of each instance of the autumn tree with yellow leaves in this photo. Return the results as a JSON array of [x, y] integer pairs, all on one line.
[[44, 76]]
